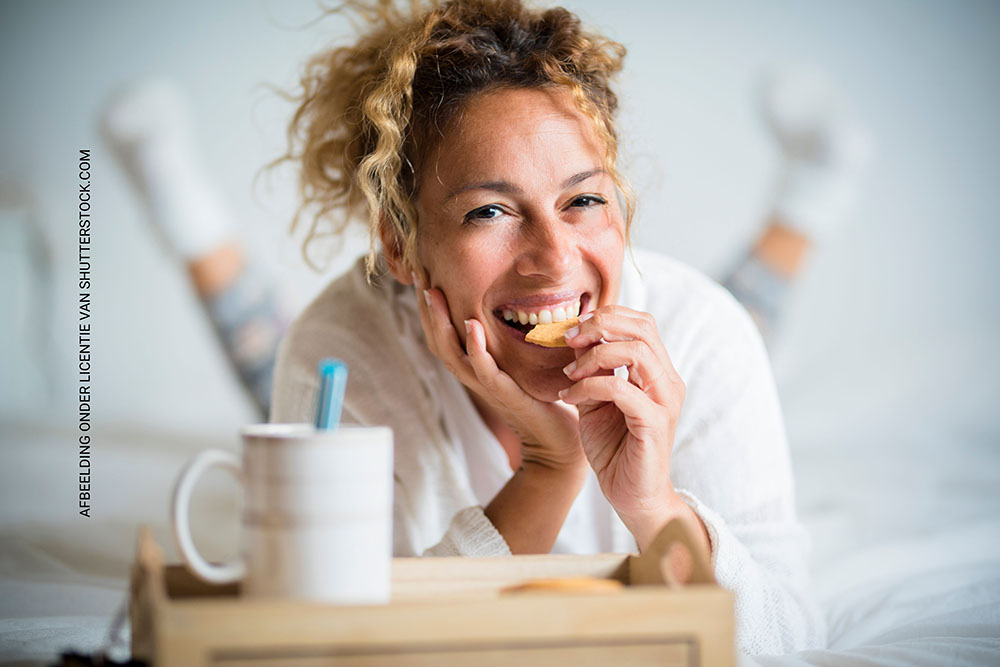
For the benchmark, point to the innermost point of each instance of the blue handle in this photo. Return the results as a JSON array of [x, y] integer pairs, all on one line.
[[330, 398]]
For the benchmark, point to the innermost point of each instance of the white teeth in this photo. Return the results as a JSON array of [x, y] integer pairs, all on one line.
[[544, 316]]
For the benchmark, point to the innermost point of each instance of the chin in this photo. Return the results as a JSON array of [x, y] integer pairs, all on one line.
[[545, 385]]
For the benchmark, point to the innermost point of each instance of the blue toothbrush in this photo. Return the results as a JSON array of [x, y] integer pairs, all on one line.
[[330, 398]]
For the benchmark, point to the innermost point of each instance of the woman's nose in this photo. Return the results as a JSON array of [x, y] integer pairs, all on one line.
[[549, 250]]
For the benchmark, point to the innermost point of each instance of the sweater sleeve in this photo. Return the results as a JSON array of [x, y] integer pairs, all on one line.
[[732, 466], [471, 533]]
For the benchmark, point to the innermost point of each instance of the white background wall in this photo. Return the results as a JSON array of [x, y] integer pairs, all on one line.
[[899, 314]]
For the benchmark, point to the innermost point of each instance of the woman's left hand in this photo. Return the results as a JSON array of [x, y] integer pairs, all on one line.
[[626, 426]]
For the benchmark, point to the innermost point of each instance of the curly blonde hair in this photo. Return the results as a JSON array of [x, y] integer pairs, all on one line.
[[369, 113]]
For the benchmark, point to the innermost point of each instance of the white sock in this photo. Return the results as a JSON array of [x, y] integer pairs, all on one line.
[[825, 149], [149, 126]]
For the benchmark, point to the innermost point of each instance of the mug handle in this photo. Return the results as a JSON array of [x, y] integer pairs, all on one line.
[[225, 573]]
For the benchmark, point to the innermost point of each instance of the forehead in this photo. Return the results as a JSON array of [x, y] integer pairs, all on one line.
[[519, 135]]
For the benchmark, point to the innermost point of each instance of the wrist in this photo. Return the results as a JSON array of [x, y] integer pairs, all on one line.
[[645, 523], [548, 471], [565, 462]]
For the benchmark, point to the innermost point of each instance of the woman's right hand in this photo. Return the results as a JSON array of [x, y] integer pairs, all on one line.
[[549, 432]]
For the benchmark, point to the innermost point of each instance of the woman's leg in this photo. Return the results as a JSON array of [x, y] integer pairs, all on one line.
[[824, 150], [149, 128], [246, 312], [763, 276]]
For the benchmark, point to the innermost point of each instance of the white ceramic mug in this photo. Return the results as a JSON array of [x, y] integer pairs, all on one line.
[[317, 518]]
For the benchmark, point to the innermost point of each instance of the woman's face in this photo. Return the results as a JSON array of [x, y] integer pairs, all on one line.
[[516, 215]]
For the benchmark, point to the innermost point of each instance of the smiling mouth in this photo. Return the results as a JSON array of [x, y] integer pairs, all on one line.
[[523, 320]]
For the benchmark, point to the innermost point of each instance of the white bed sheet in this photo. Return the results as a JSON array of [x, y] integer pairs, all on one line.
[[932, 601], [900, 491]]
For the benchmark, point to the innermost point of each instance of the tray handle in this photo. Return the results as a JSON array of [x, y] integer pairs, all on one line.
[[672, 554]]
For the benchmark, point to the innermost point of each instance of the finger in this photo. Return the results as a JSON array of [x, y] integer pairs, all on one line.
[[644, 368], [426, 315], [637, 407], [618, 323], [611, 323], [423, 306], [446, 345], [499, 385]]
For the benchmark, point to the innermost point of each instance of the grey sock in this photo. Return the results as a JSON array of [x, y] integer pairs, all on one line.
[[248, 317], [762, 291]]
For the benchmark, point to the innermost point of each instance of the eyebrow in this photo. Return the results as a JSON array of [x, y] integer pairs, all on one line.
[[509, 188]]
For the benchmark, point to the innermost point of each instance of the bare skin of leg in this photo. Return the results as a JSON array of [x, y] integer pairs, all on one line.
[[214, 272], [782, 248]]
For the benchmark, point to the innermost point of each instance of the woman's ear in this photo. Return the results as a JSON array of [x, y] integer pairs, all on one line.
[[392, 246]]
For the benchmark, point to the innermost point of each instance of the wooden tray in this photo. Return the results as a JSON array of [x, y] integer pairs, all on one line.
[[445, 611]]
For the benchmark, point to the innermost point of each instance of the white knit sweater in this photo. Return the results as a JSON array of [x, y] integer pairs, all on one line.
[[730, 461]]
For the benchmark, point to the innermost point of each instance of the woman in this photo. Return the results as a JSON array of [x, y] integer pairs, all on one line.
[[481, 137]]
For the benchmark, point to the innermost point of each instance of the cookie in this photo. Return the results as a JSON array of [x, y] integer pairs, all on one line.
[[566, 585], [551, 335]]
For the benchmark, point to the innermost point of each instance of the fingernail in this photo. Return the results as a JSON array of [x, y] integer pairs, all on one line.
[[586, 316], [562, 394], [572, 332], [570, 368], [427, 298], [468, 328]]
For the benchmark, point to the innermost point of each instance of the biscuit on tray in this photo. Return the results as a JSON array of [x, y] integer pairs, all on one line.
[[566, 585]]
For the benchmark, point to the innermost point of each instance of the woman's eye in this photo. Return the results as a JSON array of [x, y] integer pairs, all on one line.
[[588, 200], [484, 213]]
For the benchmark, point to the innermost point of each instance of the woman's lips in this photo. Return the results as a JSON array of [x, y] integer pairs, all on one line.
[[519, 322]]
